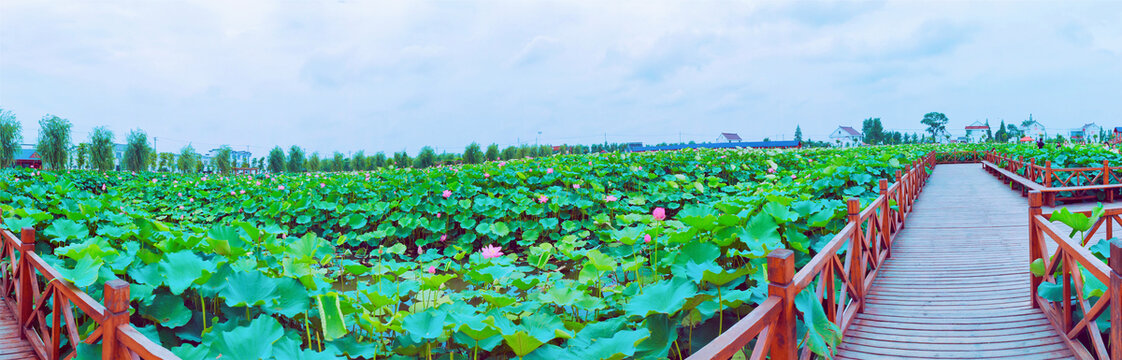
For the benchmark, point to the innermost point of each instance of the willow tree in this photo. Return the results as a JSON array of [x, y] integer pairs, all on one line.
[[11, 134], [101, 149], [276, 160], [137, 152], [186, 161], [313, 162], [54, 141], [295, 159], [425, 159], [492, 152], [378, 160], [83, 157], [473, 154], [337, 161], [358, 161], [221, 160]]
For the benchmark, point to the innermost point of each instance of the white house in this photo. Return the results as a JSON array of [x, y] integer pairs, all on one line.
[[846, 136], [1033, 129], [976, 132], [729, 138], [1088, 133], [942, 137]]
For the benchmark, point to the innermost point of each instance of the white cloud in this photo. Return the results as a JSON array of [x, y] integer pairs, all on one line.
[[388, 75]]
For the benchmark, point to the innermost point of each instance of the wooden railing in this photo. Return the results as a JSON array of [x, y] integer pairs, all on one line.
[[1074, 261], [1080, 183], [34, 291], [958, 157], [770, 328]]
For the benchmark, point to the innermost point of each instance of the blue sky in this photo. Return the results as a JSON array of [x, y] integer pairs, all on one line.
[[394, 75]]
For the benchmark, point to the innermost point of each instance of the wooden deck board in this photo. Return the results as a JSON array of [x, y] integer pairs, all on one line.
[[957, 284], [11, 347]]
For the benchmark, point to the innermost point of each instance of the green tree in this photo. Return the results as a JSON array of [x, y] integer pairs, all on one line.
[[136, 152], [358, 160], [378, 160], [798, 134], [83, 156], [199, 166], [101, 149], [401, 159], [11, 134], [492, 152], [989, 132], [167, 161], [276, 160], [873, 131], [425, 159], [54, 141], [187, 159], [295, 159], [509, 153], [221, 160], [473, 154], [337, 161], [153, 158], [313, 162], [936, 123]]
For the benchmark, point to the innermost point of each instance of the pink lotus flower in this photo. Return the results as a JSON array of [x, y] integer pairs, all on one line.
[[102, 186], [447, 193], [241, 192], [443, 237], [322, 185], [420, 250], [437, 215], [549, 171], [179, 194], [659, 214], [180, 207], [192, 199], [486, 175], [770, 170], [491, 252], [232, 193], [431, 270], [576, 186], [610, 198], [280, 187], [542, 199], [793, 176], [258, 183], [647, 238]]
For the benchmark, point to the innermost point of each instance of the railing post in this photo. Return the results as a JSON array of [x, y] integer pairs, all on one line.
[[885, 217], [899, 199], [1034, 241], [1106, 181], [25, 298], [1115, 289], [116, 314], [1050, 198], [856, 250], [780, 272]]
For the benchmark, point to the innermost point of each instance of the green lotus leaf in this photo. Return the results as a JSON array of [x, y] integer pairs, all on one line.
[[664, 297], [332, 322], [249, 288], [426, 325], [83, 274], [183, 268], [65, 229], [251, 342], [168, 311]]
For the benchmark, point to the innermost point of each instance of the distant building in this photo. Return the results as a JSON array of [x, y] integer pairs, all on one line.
[[943, 137], [729, 138], [1088, 133], [1034, 129], [846, 136], [976, 132], [236, 157], [28, 158], [790, 144]]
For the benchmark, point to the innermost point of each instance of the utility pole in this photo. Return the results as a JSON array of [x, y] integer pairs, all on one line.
[[155, 140]]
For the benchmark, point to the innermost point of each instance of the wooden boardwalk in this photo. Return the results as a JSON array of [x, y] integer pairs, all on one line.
[[957, 284], [11, 347]]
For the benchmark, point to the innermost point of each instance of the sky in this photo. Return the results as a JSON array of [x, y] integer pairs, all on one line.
[[398, 75]]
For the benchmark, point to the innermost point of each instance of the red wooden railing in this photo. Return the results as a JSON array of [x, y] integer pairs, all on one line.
[[34, 291], [1080, 183], [1070, 259], [770, 327]]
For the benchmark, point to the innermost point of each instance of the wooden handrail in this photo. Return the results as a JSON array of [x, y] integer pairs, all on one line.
[[868, 232], [58, 297], [1070, 258]]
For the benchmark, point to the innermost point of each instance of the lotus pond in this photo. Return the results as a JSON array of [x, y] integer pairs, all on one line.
[[640, 255]]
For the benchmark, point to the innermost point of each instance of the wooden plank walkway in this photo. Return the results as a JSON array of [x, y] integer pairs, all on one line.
[[11, 347], [957, 285]]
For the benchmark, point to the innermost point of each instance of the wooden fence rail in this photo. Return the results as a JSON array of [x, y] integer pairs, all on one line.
[[44, 303], [770, 327], [1075, 316], [1070, 184]]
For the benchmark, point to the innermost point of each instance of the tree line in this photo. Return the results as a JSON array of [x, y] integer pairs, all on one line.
[[98, 153]]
